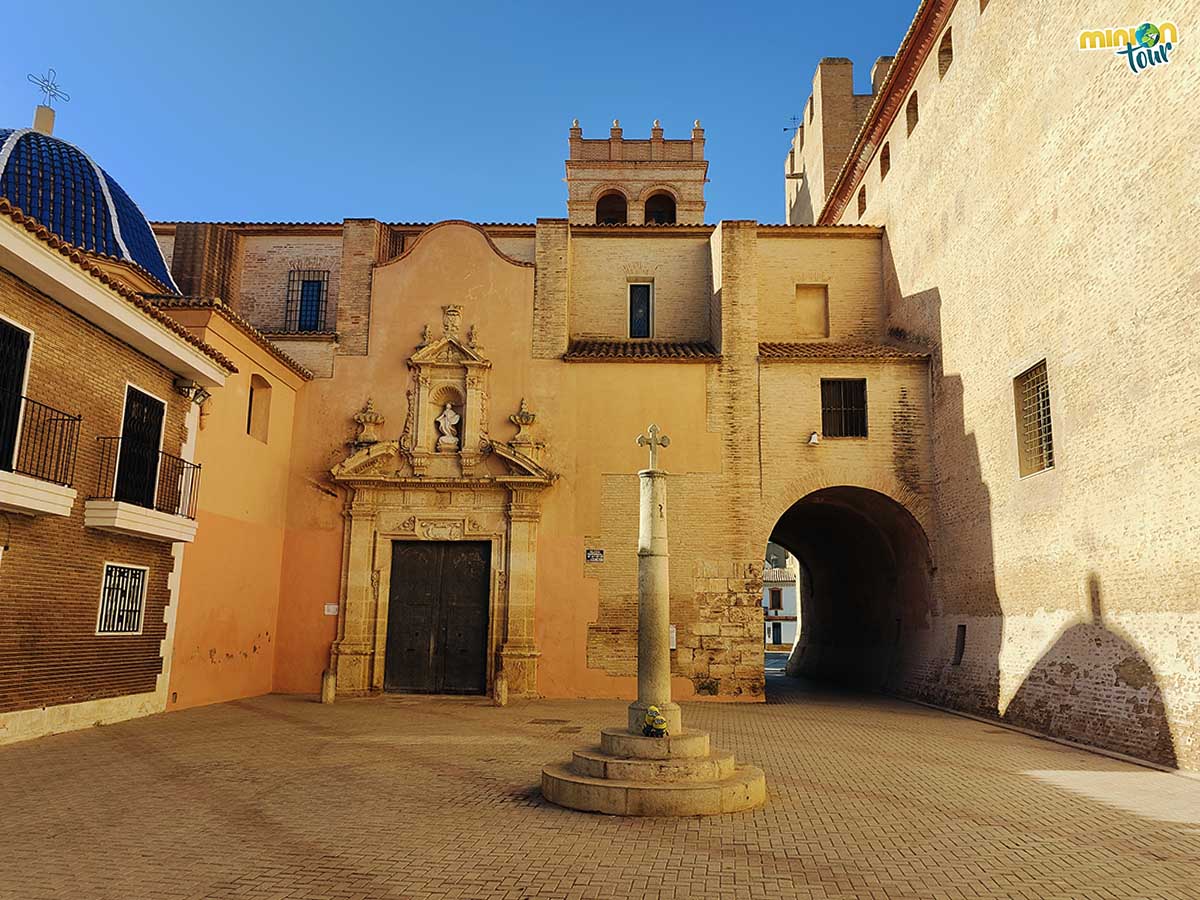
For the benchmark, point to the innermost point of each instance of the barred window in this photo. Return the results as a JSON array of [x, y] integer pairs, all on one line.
[[306, 300], [1035, 437], [844, 407], [122, 599]]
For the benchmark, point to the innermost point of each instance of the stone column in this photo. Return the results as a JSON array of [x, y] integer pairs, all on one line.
[[654, 595], [355, 647], [519, 654]]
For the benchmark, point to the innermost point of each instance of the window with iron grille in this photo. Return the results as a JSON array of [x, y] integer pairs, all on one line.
[[843, 407], [122, 599], [1035, 438], [306, 298]]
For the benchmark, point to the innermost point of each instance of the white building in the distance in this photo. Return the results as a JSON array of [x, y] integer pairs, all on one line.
[[779, 605]]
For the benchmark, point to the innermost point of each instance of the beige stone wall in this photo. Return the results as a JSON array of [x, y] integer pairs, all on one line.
[[1032, 214], [602, 267], [836, 263], [264, 266]]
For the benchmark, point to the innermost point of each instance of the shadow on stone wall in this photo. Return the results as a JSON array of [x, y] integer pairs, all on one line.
[[1094, 686]]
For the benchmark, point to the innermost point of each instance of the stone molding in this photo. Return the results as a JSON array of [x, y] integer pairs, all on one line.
[[404, 490]]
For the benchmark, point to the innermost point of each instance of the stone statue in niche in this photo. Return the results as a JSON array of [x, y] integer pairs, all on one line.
[[447, 424]]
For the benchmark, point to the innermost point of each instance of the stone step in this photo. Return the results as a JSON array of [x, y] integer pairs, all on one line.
[[595, 764], [744, 789], [619, 742]]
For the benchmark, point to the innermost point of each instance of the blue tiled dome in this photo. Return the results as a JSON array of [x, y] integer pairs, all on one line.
[[59, 185]]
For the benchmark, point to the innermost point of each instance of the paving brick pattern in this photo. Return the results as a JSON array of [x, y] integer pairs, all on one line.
[[280, 797]]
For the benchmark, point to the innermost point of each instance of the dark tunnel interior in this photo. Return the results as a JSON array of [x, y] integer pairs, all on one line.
[[867, 569]]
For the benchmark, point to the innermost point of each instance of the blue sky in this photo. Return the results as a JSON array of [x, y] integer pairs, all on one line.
[[422, 111]]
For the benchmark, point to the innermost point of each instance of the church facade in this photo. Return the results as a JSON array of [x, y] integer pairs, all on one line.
[[966, 416], [481, 390]]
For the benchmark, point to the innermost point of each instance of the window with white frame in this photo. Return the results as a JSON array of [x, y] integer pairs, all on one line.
[[641, 310], [122, 599]]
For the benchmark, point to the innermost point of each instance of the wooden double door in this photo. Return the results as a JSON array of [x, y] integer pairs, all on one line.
[[437, 629]]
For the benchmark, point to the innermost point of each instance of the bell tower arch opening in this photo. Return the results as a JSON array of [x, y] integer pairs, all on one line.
[[866, 587], [660, 209], [612, 209]]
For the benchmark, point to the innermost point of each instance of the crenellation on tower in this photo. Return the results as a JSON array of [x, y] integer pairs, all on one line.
[[615, 180]]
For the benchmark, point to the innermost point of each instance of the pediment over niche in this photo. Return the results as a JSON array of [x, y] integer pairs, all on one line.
[[385, 462], [447, 351]]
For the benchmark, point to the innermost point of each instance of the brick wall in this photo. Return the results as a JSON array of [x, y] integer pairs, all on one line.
[[851, 276], [603, 266], [265, 262], [1016, 214], [51, 574]]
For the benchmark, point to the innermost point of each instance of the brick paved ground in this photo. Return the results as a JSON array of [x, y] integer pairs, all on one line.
[[412, 797]]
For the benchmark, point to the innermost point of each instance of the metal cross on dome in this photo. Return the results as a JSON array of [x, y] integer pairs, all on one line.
[[653, 440], [47, 86]]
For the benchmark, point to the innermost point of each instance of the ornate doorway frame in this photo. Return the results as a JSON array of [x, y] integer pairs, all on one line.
[[412, 489]]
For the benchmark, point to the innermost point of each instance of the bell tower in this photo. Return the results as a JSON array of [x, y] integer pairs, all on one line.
[[614, 181]]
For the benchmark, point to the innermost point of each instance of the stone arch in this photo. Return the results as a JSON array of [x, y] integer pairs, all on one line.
[[869, 593], [815, 479], [659, 188]]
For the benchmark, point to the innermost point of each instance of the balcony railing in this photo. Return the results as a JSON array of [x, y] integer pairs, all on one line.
[[138, 473], [45, 439]]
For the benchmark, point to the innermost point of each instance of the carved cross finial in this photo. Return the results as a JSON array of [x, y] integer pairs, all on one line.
[[654, 440]]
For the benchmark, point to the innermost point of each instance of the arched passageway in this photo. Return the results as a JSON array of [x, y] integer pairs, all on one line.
[[867, 571]]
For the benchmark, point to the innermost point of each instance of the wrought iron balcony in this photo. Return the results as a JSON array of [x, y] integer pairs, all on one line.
[[138, 473], [37, 440]]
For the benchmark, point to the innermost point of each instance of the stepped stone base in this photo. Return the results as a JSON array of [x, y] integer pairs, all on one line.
[[632, 775]]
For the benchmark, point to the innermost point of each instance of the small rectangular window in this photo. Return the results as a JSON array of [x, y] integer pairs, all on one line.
[[122, 599], [960, 644], [1035, 436], [844, 407], [776, 598], [640, 310], [306, 300]]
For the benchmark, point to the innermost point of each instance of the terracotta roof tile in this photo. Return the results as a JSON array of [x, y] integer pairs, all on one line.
[[231, 316], [678, 351], [80, 259], [837, 350]]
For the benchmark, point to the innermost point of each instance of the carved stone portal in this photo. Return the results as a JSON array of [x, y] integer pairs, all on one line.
[[421, 489]]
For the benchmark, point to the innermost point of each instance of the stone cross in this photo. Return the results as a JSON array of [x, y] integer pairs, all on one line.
[[653, 440]]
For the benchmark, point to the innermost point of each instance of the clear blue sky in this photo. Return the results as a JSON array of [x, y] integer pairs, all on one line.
[[422, 111]]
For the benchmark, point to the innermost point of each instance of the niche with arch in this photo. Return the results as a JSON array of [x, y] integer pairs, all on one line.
[[258, 408]]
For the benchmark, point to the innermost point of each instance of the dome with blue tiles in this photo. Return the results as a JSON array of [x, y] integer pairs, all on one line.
[[60, 186]]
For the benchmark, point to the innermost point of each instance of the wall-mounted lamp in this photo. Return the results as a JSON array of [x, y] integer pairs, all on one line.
[[814, 439], [187, 388]]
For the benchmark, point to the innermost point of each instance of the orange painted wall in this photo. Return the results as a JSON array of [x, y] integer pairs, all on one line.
[[225, 634]]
